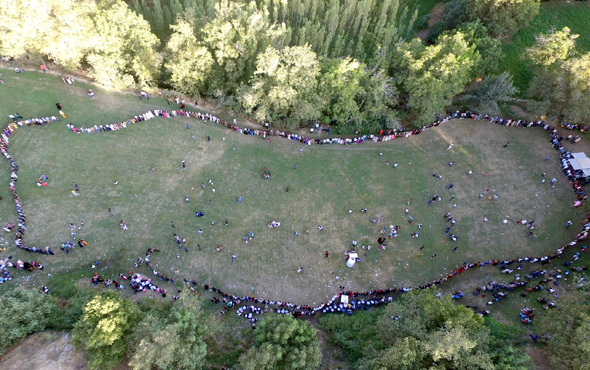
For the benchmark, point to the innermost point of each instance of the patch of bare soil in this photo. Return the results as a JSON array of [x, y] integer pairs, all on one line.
[[435, 16], [521, 113], [539, 358], [46, 351]]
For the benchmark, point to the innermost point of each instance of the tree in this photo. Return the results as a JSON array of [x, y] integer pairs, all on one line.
[[568, 325], [24, 312], [355, 97], [431, 76], [491, 91], [172, 340], [406, 353], [504, 17], [61, 31], [281, 342], [284, 86], [426, 330], [552, 47], [189, 63], [103, 329], [234, 37], [489, 48], [455, 13], [123, 54], [562, 78]]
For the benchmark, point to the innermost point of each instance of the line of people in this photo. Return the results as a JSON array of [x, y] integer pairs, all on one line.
[[296, 309]]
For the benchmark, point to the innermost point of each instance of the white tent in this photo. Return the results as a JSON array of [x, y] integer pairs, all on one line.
[[580, 164], [575, 164], [585, 163], [351, 259]]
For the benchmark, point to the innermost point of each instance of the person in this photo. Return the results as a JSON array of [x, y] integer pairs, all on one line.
[[58, 106], [506, 145], [183, 165], [76, 188], [326, 253], [110, 212]]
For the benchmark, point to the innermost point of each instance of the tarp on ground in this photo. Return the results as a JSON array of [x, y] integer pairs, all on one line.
[[351, 259]]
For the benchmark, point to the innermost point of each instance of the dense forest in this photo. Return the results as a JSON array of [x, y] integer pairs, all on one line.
[[356, 65]]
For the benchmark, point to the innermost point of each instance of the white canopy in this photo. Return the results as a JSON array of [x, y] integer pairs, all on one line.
[[575, 164], [579, 155], [584, 162]]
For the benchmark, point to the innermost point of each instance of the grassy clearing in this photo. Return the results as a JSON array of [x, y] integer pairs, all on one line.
[[329, 180], [574, 15], [424, 6]]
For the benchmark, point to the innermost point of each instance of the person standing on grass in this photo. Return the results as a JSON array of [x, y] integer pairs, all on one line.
[[183, 165], [76, 188], [110, 212], [58, 106]]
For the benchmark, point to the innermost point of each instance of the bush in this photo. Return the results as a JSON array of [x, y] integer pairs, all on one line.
[[24, 312]]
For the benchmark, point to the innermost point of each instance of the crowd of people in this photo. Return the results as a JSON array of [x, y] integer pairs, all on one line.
[[356, 300], [4, 140]]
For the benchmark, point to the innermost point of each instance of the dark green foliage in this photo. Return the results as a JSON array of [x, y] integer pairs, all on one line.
[[23, 312], [504, 17], [282, 342], [357, 336], [171, 338], [489, 48], [490, 92], [503, 354], [74, 299], [569, 327], [455, 13], [562, 77], [420, 329], [431, 76]]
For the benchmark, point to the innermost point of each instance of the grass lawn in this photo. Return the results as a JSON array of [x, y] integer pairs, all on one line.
[[424, 6], [575, 15], [329, 181]]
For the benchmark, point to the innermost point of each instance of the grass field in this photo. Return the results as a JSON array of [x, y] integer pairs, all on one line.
[[575, 15], [329, 181]]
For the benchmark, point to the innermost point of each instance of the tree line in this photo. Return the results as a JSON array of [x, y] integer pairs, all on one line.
[[421, 329], [352, 64]]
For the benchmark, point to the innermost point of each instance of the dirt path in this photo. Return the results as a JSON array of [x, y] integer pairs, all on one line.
[[44, 351]]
